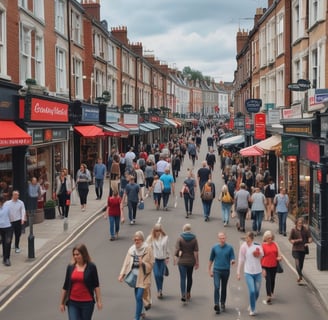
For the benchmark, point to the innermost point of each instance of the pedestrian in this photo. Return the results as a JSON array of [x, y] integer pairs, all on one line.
[[188, 193], [161, 165], [242, 198], [269, 263], [192, 151], [114, 214], [81, 286], [115, 174], [207, 195], [149, 174], [157, 188], [139, 258], [17, 215], [176, 166], [33, 194], [258, 202], [6, 232], [168, 183], [210, 159], [269, 192], [222, 257], [99, 173], [281, 201], [203, 174], [140, 181], [300, 237], [250, 255], [226, 204], [64, 186], [159, 242], [131, 195], [83, 178], [186, 257]]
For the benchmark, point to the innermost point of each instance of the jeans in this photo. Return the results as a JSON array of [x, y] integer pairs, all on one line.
[[138, 293], [157, 199], [189, 201], [253, 282], [159, 268], [166, 196], [220, 276], [207, 204], [226, 208], [83, 193], [242, 218], [132, 206], [282, 217], [80, 310], [114, 225], [299, 257], [257, 221], [99, 187], [6, 235], [270, 280], [17, 228], [185, 276]]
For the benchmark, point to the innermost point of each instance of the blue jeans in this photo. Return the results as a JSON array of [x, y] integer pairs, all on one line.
[[282, 217], [225, 208], [185, 276], [80, 310], [253, 282], [220, 276], [189, 201], [257, 221], [99, 183], [207, 204], [138, 293], [114, 225], [132, 207], [166, 196], [159, 268]]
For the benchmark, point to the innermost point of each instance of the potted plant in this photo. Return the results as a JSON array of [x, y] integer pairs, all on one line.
[[50, 209]]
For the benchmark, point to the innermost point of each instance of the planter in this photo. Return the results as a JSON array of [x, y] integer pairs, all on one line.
[[38, 216], [49, 213]]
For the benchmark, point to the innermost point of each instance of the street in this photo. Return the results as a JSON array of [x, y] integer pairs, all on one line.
[[40, 300]]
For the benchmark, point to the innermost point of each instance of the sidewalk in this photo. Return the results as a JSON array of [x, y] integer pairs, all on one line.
[[51, 238]]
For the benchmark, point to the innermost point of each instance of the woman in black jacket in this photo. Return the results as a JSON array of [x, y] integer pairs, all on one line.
[[81, 287]]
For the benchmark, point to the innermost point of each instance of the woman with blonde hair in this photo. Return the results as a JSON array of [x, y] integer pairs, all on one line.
[[226, 204], [159, 242], [269, 263]]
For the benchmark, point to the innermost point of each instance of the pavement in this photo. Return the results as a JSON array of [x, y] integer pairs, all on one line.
[[51, 237]]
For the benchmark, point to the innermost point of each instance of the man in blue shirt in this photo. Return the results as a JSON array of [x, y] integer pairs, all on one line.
[[99, 173], [168, 183], [131, 194], [222, 256]]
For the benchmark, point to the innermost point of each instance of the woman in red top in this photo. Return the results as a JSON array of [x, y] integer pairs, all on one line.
[[269, 263], [115, 214]]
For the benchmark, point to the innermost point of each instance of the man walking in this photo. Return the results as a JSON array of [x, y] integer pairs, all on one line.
[[131, 194], [99, 172], [203, 174], [168, 183], [17, 215], [222, 257]]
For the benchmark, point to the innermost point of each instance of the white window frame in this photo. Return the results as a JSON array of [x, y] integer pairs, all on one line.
[[99, 83], [38, 9], [61, 77], [78, 77], [25, 47], [316, 11], [60, 16], [39, 60], [76, 34], [280, 34], [263, 48], [3, 42]]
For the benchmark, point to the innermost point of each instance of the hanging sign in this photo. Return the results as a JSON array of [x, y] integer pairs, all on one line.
[[259, 126]]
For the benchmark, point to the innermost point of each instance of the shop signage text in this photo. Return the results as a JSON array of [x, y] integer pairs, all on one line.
[[253, 105], [46, 110]]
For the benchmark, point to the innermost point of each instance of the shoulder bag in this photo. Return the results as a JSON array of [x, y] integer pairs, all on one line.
[[131, 278]]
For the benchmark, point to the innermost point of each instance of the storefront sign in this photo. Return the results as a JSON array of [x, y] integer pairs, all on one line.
[[47, 135], [310, 151], [294, 112], [59, 134], [317, 99], [46, 110], [290, 146], [259, 128], [112, 116], [253, 105], [7, 103], [274, 116], [130, 118], [90, 114]]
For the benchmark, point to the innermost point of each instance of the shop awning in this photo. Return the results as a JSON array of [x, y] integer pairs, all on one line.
[[110, 132], [152, 126], [270, 144], [251, 151], [12, 135], [144, 128], [123, 130], [133, 128], [170, 122], [89, 131], [233, 140]]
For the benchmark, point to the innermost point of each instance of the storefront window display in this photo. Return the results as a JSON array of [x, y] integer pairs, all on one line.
[[292, 184], [304, 190], [6, 173], [89, 152], [316, 201]]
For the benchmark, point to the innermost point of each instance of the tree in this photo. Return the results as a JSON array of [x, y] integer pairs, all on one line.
[[192, 74]]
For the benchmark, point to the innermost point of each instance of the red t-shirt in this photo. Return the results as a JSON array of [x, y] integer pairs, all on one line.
[[269, 259], [113, 205], [79, 291]]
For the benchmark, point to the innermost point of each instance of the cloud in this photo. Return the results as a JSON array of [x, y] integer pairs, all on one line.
[[196, 33]]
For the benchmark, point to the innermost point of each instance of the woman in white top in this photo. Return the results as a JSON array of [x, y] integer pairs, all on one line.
[[159, 242], [140, 181], [250, 255], [258, 208], [157, 188]]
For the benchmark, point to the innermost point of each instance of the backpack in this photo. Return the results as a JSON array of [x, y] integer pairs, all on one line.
[[226, 197], [207, 193], [192, 150]]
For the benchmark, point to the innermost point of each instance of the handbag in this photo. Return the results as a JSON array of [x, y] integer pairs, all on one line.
[[280, 269], [306, 250], [131, 278], [141, 205], [166, 271]]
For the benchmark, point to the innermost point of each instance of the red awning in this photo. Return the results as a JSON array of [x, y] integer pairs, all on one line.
[[12, 135], [251, 151], [89, 131]]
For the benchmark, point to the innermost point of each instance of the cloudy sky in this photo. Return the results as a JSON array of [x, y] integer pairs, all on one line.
[[200, 34]]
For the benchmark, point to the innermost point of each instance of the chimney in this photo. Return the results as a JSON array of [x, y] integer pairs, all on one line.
[[137, 48], [258, 15], [121, 34], [242, 38], [92, 8]]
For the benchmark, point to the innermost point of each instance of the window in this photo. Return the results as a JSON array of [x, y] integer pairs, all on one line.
[[76, 28], [271, 35], [39, 60], [38, 9], [299, 19], [111, 54], [314, 74], [61, 84], [23, 4], [280, 34], [99, 83], [280, 88], [25, 53], [316, 11], [60, 16], [263, 48], [77, 75], [3, 45]]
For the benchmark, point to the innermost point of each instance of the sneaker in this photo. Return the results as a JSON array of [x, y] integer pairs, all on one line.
[[131, 222], [217, 309], [223, 307], [17, 250], [183, 298], [134, 221], [252, 313], [112, 239], [7, 263]]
